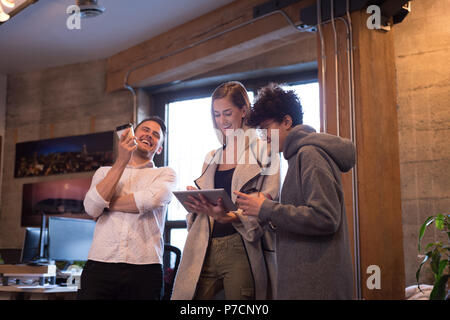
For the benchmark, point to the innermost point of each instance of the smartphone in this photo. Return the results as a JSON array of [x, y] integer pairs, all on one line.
[[121, 129]]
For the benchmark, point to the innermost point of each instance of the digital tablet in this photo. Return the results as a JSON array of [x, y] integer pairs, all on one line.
[[211, 194]]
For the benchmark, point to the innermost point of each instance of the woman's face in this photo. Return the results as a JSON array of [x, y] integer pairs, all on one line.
[[227, 115]]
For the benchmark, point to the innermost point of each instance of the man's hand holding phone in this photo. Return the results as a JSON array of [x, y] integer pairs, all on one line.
[[127, 144]]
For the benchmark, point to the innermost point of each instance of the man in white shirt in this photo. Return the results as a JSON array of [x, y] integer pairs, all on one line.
[[129, 202]]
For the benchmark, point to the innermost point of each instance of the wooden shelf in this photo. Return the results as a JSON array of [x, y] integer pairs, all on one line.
[[23, 269]]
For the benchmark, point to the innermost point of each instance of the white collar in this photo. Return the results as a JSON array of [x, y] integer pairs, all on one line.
[[149, 164]]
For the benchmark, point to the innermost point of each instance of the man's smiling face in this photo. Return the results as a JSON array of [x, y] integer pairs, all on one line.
[[149, 137]]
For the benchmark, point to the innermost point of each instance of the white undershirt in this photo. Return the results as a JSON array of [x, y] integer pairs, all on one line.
[[130, 237]]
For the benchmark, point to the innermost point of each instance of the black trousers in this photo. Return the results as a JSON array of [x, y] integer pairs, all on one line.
[[121, 281]]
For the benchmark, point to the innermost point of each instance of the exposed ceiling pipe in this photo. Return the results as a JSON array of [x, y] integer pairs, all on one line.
[[351, 93], [356, 238], [336, 68], [322, 65]]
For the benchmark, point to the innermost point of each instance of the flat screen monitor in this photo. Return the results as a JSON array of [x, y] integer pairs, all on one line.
[[30, 250], [69, 239]]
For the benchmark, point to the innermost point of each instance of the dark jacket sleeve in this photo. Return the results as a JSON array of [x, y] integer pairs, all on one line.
[[321, 214]]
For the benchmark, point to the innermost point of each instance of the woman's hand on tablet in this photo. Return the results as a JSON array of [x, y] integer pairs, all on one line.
[[201, 205]]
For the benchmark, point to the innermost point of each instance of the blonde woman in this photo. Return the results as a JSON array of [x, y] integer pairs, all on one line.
[[227, 250]]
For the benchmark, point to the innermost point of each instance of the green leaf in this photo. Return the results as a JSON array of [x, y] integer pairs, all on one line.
[[431, 244], [442, 266], [427, 222], [440, 222], [439, 292], [435, 260], [428, 255]]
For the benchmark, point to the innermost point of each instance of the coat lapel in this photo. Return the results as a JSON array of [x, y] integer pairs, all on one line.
[[206, 180], [242, 174]]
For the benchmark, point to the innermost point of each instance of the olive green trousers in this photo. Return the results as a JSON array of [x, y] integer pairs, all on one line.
[[226, 267]]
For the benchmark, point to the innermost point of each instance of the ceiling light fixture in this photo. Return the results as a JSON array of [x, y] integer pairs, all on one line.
[[10, 8], [3, 16], [90, 8], [8, 3]]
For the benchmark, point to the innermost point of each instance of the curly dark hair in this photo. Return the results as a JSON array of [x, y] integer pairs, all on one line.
[[274, 103]]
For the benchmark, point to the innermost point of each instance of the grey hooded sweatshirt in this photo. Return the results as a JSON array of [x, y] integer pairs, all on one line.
[[313, 251]]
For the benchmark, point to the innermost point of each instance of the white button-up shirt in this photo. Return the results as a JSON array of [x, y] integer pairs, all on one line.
[[130, 237]]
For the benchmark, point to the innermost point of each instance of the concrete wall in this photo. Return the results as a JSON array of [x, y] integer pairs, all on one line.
[[422, 48], [3, 91], [52, 103]]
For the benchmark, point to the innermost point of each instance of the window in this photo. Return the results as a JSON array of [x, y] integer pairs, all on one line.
[[309, 97], [191, 137]]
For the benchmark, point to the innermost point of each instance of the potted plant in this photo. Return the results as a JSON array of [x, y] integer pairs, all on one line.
[[437, 253]]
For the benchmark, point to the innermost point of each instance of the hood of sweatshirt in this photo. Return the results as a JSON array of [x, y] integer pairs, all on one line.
[[342, 151]]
